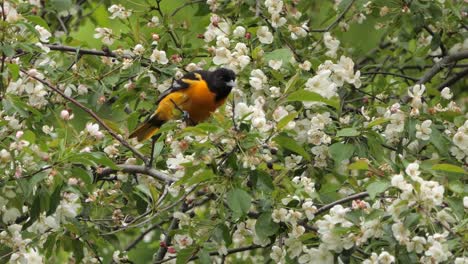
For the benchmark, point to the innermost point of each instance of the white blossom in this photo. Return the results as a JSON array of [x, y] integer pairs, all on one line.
[[159, 56], [423, 131], [264, 35], [44, 34], [118, 11], [239, 32], [105, 34]]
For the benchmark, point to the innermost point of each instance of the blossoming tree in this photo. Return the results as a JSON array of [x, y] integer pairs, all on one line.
[[345, 141]]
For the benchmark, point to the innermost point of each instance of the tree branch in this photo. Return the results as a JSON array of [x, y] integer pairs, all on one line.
[[441, 64], [216, 253], [86, 51], [341, 201], [458, 76], [167, 241], [392, 74], [138, 169], [145, 62], [337, 20], [92, 114]]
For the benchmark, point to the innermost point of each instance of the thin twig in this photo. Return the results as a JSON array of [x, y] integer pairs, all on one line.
[[185, 5], [337, 20], [168, 29], [92, 114], [341, 201], [141, 236], [216, 253], [390, 73], [86, 51], [167, 240], [138, 169]]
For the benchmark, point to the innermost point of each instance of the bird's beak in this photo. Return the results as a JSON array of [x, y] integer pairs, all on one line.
[[231, 84]]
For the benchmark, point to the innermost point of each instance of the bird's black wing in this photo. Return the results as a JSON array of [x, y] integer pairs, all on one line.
[[179, 84]]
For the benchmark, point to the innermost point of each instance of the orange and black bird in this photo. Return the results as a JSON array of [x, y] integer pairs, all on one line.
[[197, 94]]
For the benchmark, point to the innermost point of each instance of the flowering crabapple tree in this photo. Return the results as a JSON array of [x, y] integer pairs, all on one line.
[[345, 140]]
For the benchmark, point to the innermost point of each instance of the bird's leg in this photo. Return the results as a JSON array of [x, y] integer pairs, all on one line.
[[185, 115]]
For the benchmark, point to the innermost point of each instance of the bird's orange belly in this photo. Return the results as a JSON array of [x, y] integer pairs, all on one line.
[[202, 102]]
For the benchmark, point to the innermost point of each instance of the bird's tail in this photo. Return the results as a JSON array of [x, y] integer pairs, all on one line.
[[147, 129]]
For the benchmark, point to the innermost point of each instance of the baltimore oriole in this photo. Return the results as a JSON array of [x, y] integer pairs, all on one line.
[[197, 94]]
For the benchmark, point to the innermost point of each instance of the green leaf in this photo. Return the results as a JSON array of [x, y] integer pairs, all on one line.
[[204, 256], [239, 201], [54, 200], [184, 255], [102, 159], [38, 21], [29, 136], [291, 82], [448, 168], [202, 176], [377, 187], [456, 187], [290, 144], [265, 227], [359, 165], [348, 132], [308, 96], [377, 122], [440, 142], [82, 174], [340, 151], [221, 233], [60, 5], [285, 120], [77, 250], [210, 128], [279, 54], [14, 70]]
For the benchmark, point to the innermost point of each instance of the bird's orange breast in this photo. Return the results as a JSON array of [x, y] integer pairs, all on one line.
[[202, 101]]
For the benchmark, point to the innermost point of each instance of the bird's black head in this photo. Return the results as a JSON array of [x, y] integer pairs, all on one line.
[[221, 82]]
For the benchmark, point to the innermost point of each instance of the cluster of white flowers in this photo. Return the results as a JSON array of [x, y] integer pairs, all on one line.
[[275, 7], [12, 238], [44, 34], [423, 131], [159, 56], [332, 44], [416, 93], [264, 35], [32, 89], [331, 240], [93, 130], [9, 214], [10, 12], [298, 32], [382, 258], [460, 141], [118, 11], [397, 123], [253, 113], [68, 208], [217, 27], [106, 35], [175, 163], [331, 76], [237, 59]]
